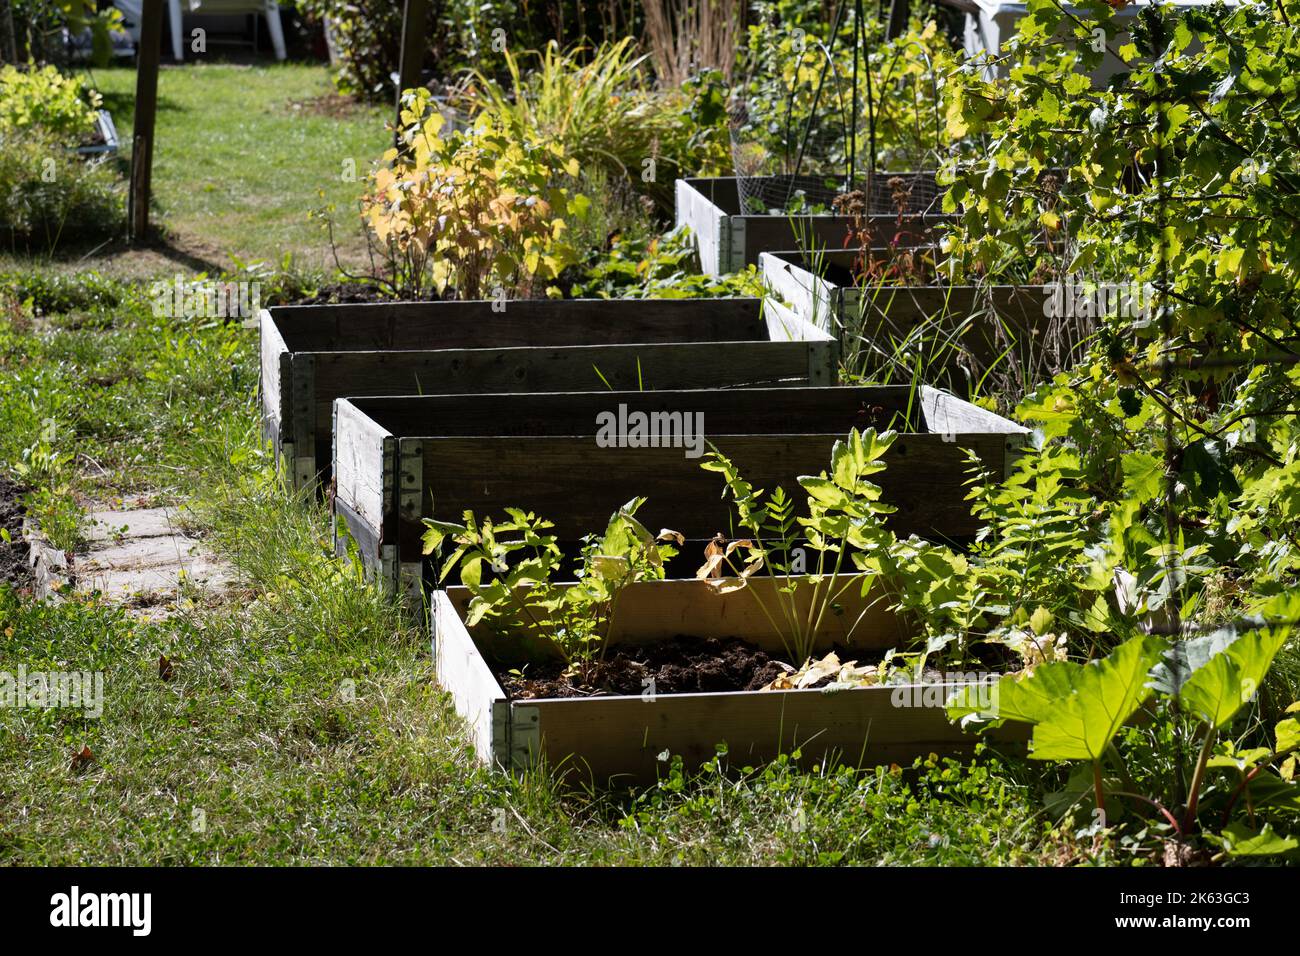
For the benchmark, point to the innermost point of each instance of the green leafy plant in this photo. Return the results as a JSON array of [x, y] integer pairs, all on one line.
[[511, 568], [841, 529], [46, 100], [472, 211], [39, 26], [659, 267], [49, 196], [798, 94], [366, 36], [600, 107], [1199, 684]]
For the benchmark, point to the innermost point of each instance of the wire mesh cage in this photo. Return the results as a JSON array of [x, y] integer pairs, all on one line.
[[804, 131]]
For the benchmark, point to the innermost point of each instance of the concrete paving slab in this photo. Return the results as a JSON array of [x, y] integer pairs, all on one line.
[[140, 523]]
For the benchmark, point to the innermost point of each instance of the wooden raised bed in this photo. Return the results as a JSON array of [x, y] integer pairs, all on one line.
[[729, 237], [1010, 322], [398, 459], [618, 739], [311, 355]]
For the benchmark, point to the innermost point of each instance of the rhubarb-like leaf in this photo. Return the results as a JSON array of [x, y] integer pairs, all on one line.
[[1241, 840], [1106, 694], [1076, 709], [1220, 686]]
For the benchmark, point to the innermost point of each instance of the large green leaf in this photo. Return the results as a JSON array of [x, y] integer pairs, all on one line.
[[1219, 688], [1184, 658], [1026, 699], [1076, 709], [1241, 840], [1106, 694]]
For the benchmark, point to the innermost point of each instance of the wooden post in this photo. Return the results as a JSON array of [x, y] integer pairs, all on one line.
[[10, 50], [146, 112], [414, 24], [899, 11]]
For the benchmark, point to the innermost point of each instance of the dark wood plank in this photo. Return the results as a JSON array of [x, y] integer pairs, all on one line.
[[474, 371], [149, 52], [782, 233], [739, 411], [424, 326], [577, 485]]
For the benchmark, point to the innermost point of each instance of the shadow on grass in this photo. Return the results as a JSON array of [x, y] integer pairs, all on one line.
[[89, 252]]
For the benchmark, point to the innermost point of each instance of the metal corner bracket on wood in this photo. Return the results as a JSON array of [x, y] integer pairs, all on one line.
[[525, 736], [410, 492], [303, 402], [1015, 451]]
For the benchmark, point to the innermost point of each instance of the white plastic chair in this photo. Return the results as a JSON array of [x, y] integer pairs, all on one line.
[[268, 8]]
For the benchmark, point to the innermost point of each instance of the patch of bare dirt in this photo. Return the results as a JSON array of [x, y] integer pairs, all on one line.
[[14, 568], [682, 665]]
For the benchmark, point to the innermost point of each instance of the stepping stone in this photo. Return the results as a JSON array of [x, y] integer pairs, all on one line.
[[138, 523], [139, 557]]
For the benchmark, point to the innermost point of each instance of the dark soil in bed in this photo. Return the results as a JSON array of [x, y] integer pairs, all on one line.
[[688, 665], [13, 554], [682, 665]]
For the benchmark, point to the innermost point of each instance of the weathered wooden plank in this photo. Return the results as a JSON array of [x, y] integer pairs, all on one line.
[[988, 325], [463, 673], [726, 411], [596, 367], [329, 352], [363, 466], [577, 485], [601, 739], [540, 452], [829, 283], [713, 206], [708, 224], [426, 326], [946, 414], [274, 376], [618, 740]]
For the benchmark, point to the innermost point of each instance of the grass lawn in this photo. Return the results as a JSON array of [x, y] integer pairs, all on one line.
[[252, 752], [244, 152]]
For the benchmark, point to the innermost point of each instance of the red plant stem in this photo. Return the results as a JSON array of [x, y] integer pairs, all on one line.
[[1241, 787], [1173, 821]]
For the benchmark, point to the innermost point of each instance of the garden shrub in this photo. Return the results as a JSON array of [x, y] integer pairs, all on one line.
[[659, 267], [53, 293], [367, 37], [38, 27], [792, 109], [601, 105], [367, 34], [45, 99], [477, 211], [49, 195]]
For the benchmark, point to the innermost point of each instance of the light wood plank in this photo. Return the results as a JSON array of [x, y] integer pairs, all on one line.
[[463, 673], [618, 740], [273, 353], [362, 466]]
